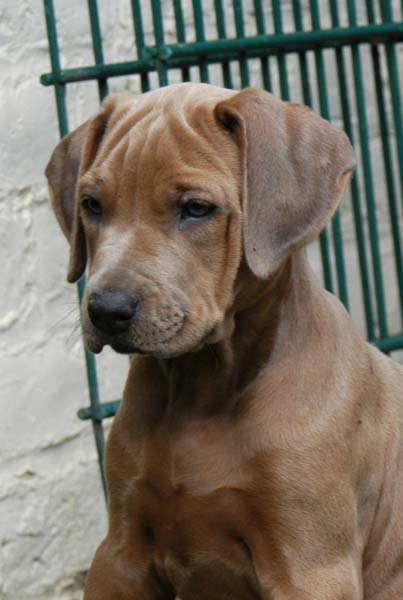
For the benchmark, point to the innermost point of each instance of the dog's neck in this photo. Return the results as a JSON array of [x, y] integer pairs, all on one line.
[[260, 326]]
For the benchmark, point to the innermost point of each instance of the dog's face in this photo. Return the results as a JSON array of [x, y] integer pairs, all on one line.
[[160, 212], [164, 192]]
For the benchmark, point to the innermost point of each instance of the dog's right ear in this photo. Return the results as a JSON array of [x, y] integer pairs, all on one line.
[[72, 157], [62, 173]]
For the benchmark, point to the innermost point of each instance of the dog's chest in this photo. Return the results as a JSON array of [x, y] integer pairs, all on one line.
[[195, 459], [192, 503]]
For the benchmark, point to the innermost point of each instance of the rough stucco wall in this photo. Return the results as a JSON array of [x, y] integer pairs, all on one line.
[[52, 514]]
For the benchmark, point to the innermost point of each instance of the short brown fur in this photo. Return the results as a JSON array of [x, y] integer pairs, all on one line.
[[257, 454]]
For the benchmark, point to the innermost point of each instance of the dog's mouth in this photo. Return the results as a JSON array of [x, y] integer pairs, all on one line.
[[157, 349], [133, 342], [155, 329], [125, 348], [182, 340]]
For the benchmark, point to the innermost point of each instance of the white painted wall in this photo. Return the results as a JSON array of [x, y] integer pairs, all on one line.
[[52, 513]]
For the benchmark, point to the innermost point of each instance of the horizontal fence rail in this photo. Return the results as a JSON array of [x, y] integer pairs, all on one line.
[[218, 51], [343, 58]]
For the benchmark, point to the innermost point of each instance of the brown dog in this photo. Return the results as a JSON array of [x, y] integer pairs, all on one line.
[[258, 450]]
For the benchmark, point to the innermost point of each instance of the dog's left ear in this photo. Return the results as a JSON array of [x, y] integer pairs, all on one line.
[[296, 166]]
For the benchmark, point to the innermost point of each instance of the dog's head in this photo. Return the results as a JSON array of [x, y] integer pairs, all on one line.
[[166, 192]]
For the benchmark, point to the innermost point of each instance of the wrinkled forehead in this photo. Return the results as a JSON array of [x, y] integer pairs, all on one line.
[[169, 134]]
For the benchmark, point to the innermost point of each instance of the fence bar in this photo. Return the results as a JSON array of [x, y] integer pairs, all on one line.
[[181, 33], [324, 108], [290, 41], [320, 68], [261, 30], [90, 360], [222, 34], [92, 379], [60, 91], [240, 32], [307, 96], [103, 411], [97, 44], [200, 37], [303, 64], [63, 128], [368, 178], [282, 64], [390, 343], [394, 80], [160, 65], [216, 51], [140, 44], [285, 93], [355, 191], [387, 158]]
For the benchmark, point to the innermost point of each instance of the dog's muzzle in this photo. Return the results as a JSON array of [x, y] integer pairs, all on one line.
[[128, 324]]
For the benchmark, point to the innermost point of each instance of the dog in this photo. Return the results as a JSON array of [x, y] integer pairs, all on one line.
[[257, 453]]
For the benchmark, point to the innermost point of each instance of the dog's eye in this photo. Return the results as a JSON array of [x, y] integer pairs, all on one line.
[[92, 206], [196, 210]]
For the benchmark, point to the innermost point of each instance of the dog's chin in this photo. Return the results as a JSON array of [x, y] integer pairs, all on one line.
[[120, 347], [162, 351], [177, 345], [93, 345]]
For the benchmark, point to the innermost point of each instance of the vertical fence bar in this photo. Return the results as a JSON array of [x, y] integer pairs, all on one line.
[[90, 363], [92, 379], [303, 64], [63, 128], [387, 158], [97, 44], [324, 108], [355, 191], [285, 92], [60, 89], [200, 37], [240, 32], [394, 82], [181, 33], [368, 177], [159, 41], [261, 30], [222, 34], [139, 37], [281, 59], [307, 95]]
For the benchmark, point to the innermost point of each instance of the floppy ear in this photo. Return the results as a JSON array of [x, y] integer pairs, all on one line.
[[74, 154], [62, 173], [296, 166]]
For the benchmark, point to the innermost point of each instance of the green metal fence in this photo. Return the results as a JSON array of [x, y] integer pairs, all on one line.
[[342, 58]]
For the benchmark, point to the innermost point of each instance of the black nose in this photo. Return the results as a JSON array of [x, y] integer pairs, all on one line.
[[111, 310]]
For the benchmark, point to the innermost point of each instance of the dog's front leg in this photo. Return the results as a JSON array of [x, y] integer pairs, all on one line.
[[112, 578], [339, 581]]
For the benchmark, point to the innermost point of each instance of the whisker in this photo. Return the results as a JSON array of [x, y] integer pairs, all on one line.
[[75, 334], [73, 310]]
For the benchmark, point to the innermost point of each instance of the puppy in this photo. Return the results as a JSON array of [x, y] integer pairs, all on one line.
[[258, 451]]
